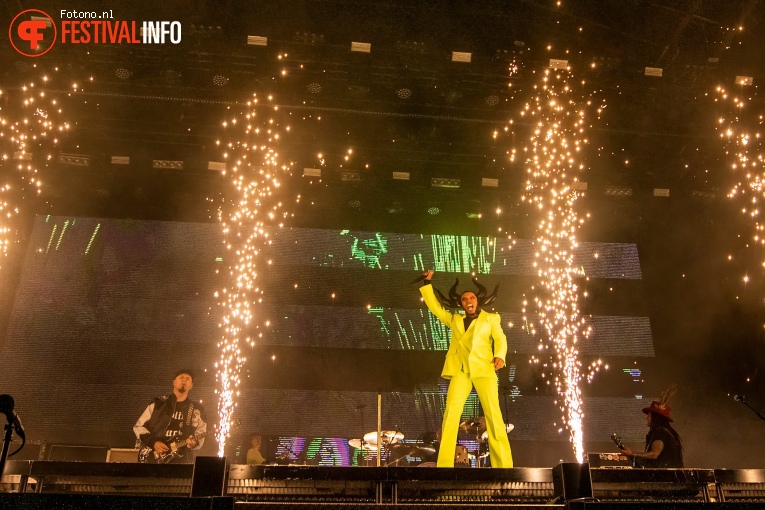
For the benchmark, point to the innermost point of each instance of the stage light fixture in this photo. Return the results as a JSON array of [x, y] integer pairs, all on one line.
[[217, 166], [256, 40], [361, 47], [166, 164], [439, 182], [401, 176], [354, 204], [492, 100], [312, 172], [744, 80], [558, 64], [350, 177], [404, 93], [579, 186], [74, 159], [219, 80], [703, 194], [618, 191], [660, 192], [654, 71], [122, 73], [22, 156], [314, 87], [460, 56], [120, 160], [489, 182], [434, 210]]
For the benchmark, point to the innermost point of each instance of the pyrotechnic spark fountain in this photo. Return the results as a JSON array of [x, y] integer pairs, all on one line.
[[743, 144], [552, 164], [254, 168], [28, 124]]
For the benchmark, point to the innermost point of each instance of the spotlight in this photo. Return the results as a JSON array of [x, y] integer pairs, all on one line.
[[219, 80], [122, 73], [314, 88], [434, 210], [492, 100]]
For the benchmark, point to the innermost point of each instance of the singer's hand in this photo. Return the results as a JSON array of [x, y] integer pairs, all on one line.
[[498, 363], [429, 274]]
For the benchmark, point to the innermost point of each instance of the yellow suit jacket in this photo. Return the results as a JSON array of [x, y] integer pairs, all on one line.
[[477, 339]]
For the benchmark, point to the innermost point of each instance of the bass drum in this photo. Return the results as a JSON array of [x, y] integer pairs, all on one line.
[[461, 458]]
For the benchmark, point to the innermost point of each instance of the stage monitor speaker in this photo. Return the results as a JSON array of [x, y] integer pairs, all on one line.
[[77, 453], [572, 481], [209, 477], [122, 455]]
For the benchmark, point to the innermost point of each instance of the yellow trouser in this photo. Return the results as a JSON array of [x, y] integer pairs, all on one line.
[[488, 393]]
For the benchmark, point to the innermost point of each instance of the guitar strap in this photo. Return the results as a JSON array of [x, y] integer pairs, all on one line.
[[189, 414]]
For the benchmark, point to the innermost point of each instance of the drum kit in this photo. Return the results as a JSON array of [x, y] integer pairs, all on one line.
[[392, 448], [476, 427], [397, 453]]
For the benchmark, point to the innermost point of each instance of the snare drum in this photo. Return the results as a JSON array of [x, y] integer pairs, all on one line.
[[461, 456]]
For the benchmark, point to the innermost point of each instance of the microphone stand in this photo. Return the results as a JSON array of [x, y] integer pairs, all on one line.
[[6, 446], [743, 401]]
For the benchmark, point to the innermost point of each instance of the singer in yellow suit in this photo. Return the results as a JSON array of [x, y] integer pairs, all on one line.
[[478, 348]]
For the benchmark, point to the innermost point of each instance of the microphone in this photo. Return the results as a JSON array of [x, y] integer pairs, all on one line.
[[418, 279], [739, 398], [6, 407]]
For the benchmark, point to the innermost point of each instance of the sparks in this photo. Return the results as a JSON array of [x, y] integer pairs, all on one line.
[[29, 121], [255, 172], [552, 163], [747, 160]]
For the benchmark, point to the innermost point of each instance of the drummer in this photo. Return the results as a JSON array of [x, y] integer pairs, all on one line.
[[254, 456]]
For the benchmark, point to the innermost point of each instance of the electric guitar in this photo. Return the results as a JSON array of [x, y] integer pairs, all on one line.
[[176, 448], [618, 441]]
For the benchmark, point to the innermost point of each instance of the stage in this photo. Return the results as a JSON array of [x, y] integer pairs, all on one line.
[[213, 483]]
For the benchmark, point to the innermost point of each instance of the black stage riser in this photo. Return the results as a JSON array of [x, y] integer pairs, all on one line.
[[103, 502]]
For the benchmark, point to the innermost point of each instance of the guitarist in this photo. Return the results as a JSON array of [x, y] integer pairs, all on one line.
[[663, 447], [172, 420]]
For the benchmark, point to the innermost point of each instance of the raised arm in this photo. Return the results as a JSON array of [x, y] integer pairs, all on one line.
[[432, 302]]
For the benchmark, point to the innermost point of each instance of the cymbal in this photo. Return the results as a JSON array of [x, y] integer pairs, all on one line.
[[508, 426], [357, 443], [386, 437], [427, 450], [474, 425]]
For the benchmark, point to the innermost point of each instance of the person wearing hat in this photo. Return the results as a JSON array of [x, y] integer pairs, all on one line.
[[477, 350], [171, 425], [663, 447]]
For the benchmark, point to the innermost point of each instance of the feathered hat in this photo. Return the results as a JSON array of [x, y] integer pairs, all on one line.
[[660, 406], [453, 301]]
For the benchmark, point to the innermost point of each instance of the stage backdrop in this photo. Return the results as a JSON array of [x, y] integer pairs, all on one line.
[[106, 310]]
